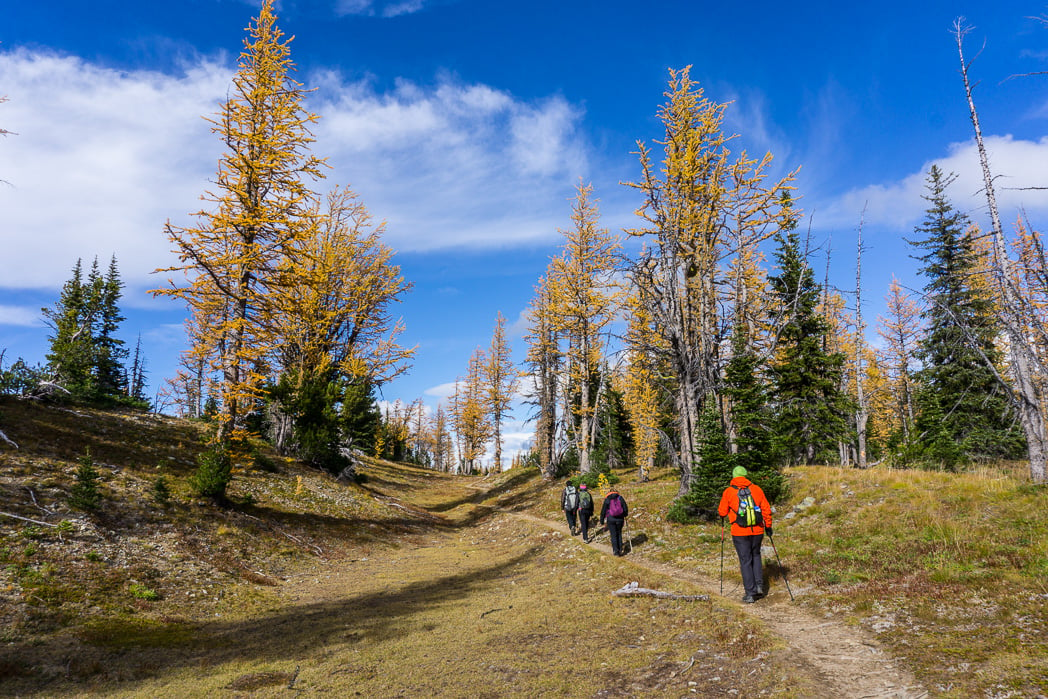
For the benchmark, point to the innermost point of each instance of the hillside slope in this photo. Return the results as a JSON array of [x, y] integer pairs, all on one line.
[[418, 583]]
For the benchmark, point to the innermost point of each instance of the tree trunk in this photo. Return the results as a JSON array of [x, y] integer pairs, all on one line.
[[1024, 391], [862, 415]]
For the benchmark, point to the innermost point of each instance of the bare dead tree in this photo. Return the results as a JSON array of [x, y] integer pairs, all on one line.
[[862, 415], [1023, 388]]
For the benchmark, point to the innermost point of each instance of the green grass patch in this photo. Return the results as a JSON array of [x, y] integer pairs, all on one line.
[[136, 633]]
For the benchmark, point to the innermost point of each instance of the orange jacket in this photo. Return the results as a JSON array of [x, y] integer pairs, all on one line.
[[729, 506]]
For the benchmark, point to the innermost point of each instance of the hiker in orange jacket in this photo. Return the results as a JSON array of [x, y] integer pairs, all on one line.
[[747, 539]]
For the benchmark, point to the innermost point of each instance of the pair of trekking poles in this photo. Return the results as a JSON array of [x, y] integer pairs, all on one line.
[[777, 560]]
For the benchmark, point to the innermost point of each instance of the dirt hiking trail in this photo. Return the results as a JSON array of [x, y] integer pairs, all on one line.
[[847, 662]]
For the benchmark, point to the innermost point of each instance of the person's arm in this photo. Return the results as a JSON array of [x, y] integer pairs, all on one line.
[[625, 508], [603, 510], [765, 509], [725, 503]]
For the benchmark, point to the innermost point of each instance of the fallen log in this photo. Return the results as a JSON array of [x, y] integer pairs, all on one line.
[[26, 519], [634, 589]]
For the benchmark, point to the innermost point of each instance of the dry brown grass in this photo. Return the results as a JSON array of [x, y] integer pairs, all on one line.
[[410, 584], [947, 570], [415, 583]]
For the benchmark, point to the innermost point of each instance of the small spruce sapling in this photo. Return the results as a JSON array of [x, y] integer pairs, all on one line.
[[85, 494]]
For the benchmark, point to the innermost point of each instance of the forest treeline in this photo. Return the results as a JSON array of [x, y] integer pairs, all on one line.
[[702, 338]]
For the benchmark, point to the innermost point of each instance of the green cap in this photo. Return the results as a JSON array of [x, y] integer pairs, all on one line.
[[738, 471]]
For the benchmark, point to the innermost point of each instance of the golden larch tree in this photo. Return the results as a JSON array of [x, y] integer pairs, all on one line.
[[642, 391], [700, 204], [237, 257], [585, 301], [900, 329], [500, 378], [472, 417], [544, 361]]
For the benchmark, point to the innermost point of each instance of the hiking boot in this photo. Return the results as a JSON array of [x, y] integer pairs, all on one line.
[[748, 599]]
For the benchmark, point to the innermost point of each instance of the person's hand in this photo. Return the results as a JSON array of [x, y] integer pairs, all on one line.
[[768, 529]]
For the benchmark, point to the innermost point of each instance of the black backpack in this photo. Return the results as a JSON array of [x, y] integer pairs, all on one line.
[[749, 514]]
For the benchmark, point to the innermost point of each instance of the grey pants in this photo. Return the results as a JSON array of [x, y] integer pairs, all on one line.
[[749, 550]]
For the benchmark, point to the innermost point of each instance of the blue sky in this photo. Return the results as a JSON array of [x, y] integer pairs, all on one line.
[[466, 126]]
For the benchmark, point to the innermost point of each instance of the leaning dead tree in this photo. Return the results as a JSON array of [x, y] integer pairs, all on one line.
[[1022, 358]]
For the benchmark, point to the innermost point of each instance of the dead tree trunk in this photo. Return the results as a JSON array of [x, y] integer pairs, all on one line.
[[862, 414], [1024, 389]]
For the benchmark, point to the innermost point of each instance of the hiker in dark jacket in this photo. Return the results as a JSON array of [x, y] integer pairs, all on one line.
[[585, 511], [747, 539], [614, 512], [569, 502]]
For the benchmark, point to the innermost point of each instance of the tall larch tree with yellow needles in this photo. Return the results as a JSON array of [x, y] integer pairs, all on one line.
[[443, 444], [473, 419], [238, 255], [642, 386], [334, 323], [699, 203], [500, 378], [585, 299], [900, 329], [544, 361]]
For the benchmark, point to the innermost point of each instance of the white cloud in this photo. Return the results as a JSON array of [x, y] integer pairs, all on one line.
[[453, 165], [1018, 165], [102, 158], [20, 316], [381, 8], [442, 391]]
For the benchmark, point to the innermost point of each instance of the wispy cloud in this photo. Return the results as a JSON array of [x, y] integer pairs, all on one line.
[[455, 164], [1019, 166], [103, 158], [20, 316], [378, 8]]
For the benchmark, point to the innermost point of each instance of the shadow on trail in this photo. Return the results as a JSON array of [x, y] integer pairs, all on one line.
[[287, 635], [481, 495]]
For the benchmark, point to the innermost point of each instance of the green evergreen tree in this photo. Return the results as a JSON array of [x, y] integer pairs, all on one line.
[[614, 442], [85, 493], [313, 406], [712, 471], [360, 415], [85, 356], [811, 410], [109, 352], [752, 420], [959, 348], [69, 360], [213, 474]]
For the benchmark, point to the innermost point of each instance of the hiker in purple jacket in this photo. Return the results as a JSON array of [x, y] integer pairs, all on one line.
[[614, 512]]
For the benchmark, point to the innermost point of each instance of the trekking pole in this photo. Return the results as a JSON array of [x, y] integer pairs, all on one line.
[[722, 557], [626, 534], [781, 568]]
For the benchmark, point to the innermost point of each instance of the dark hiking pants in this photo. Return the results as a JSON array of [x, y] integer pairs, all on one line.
[[584, 522], [615, 530], [570, 514], [749, 550]]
